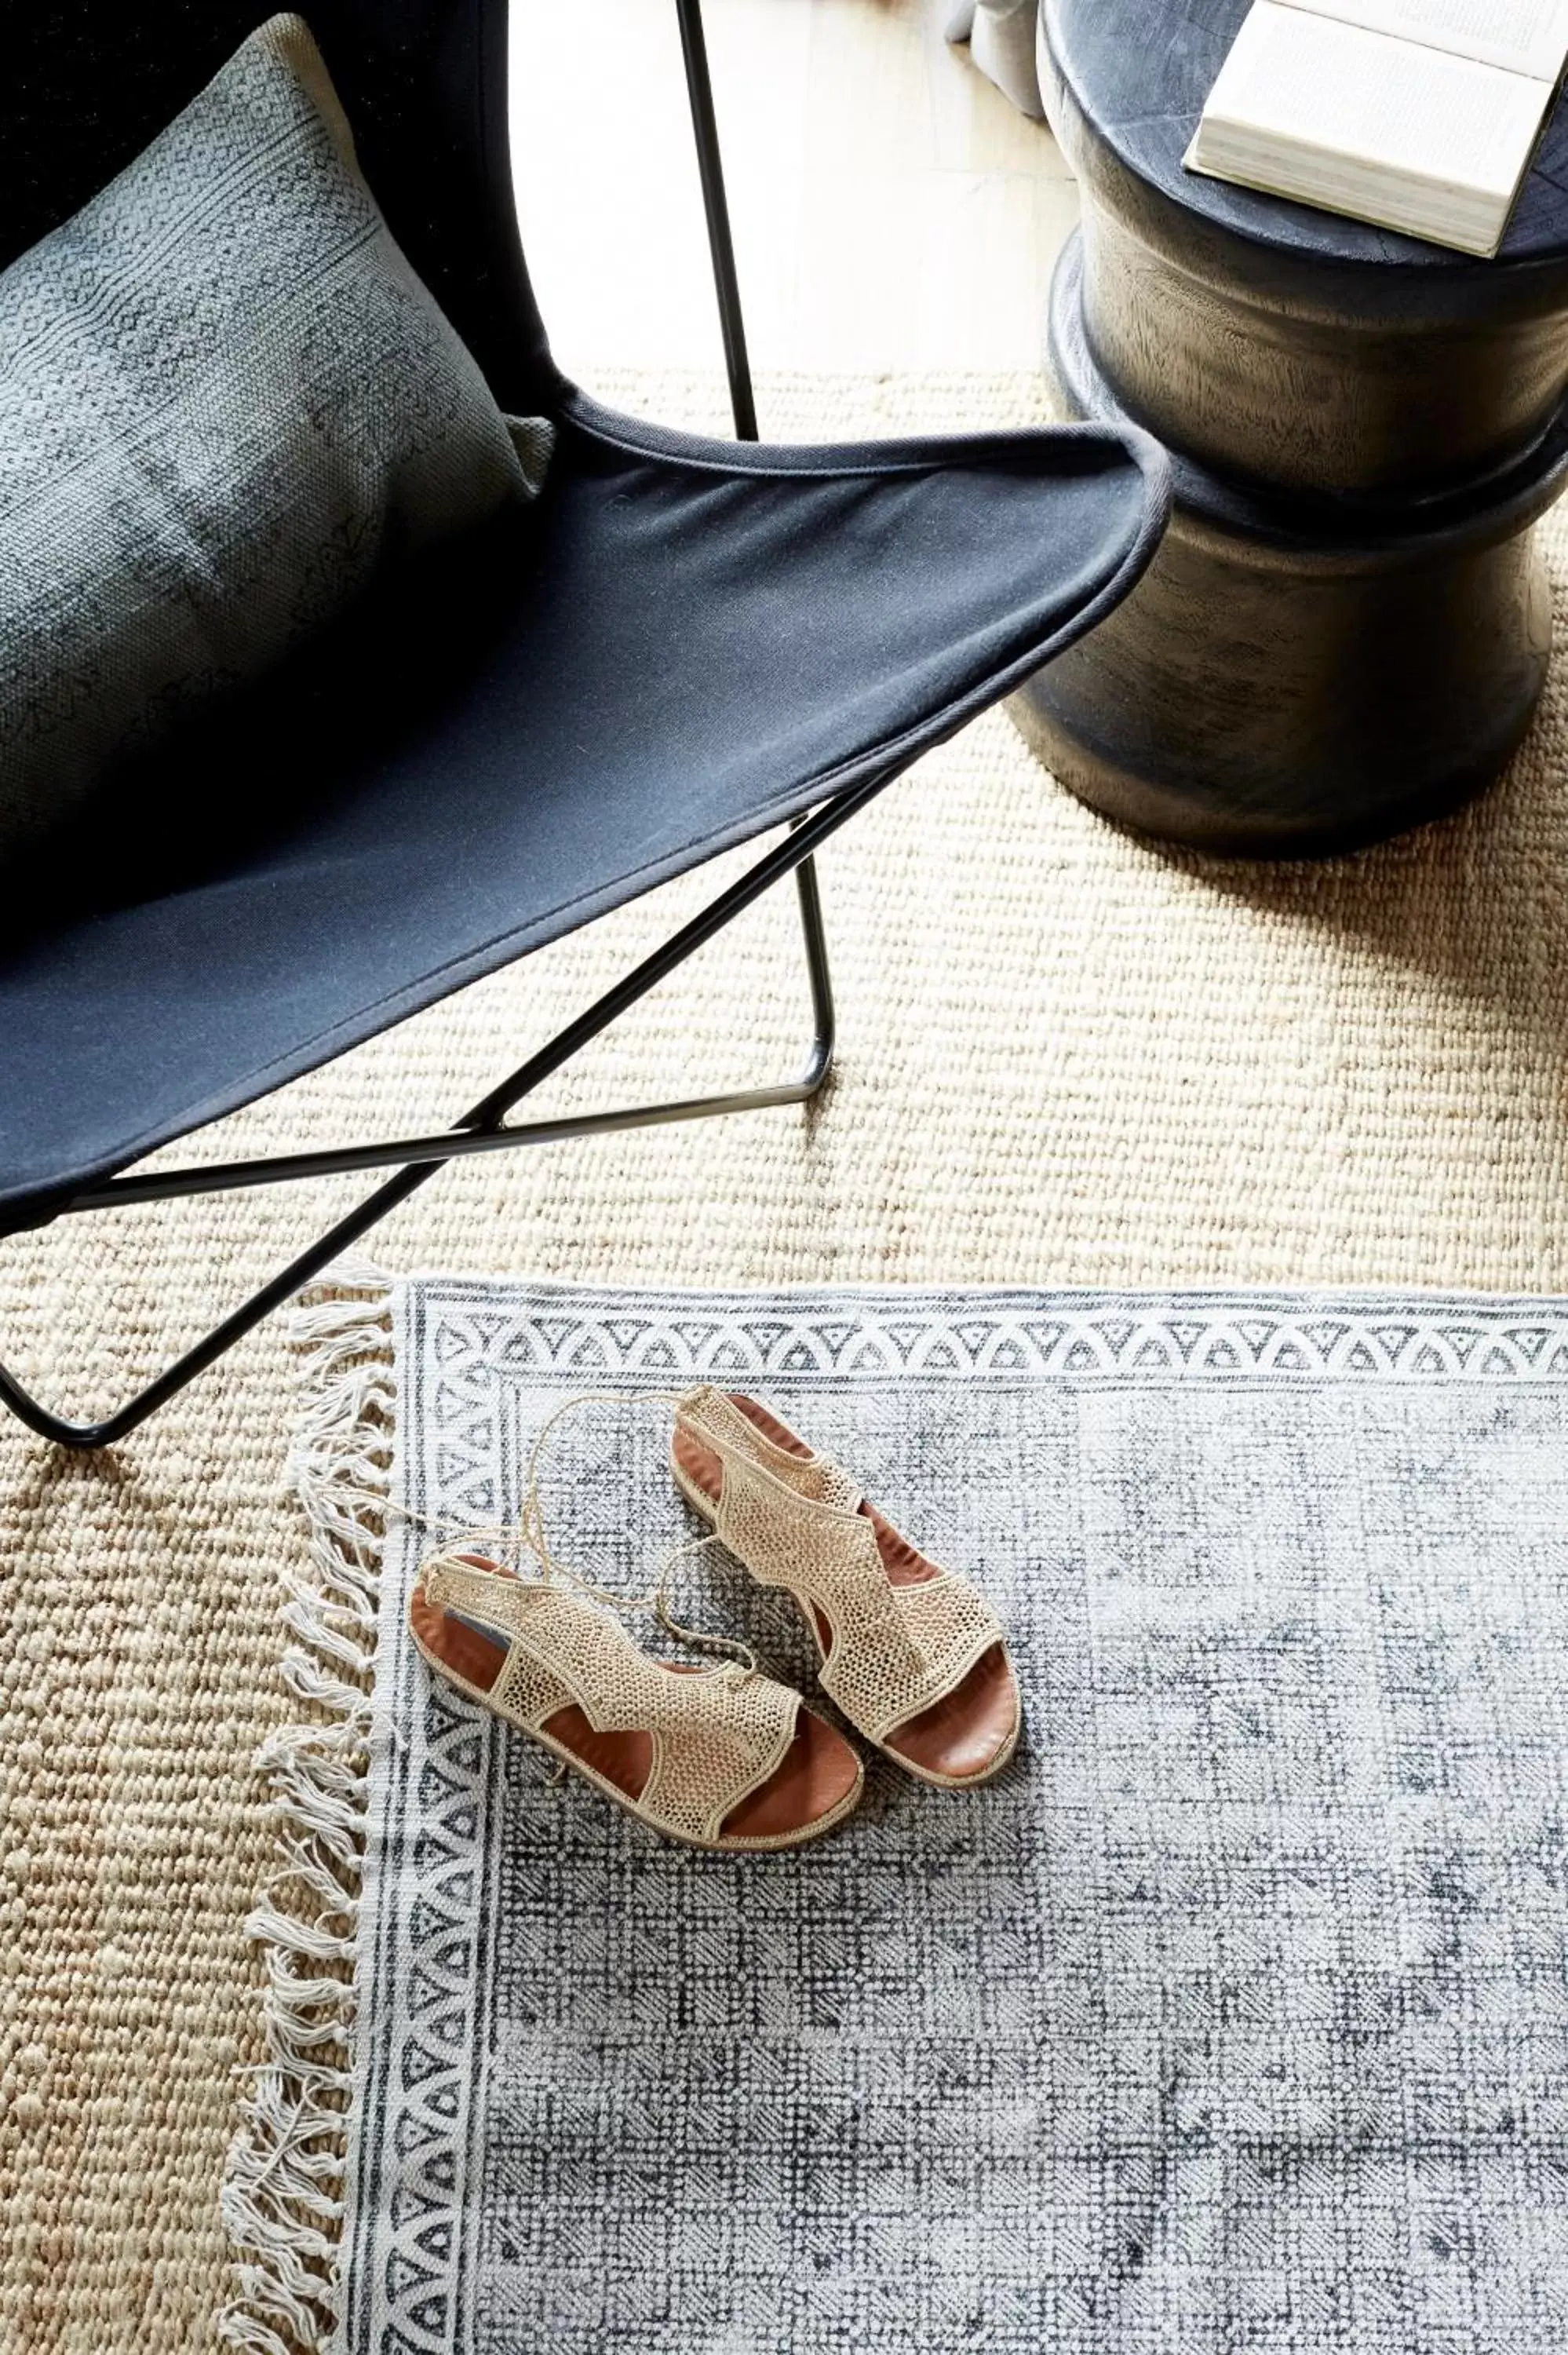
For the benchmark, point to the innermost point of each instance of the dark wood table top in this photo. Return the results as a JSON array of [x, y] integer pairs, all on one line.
[[1140, 70]]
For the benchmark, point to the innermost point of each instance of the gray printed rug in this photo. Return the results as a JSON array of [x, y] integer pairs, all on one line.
[[1234, 2017]]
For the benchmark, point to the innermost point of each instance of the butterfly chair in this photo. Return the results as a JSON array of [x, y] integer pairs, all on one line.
[[705, 641]]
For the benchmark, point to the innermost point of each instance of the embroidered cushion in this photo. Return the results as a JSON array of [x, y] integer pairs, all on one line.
[[226, 404]]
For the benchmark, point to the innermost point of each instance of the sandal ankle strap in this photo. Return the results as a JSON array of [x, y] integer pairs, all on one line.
[[709, 1414]]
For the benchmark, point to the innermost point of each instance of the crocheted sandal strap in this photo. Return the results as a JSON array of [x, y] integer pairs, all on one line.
[[894, 1650], [951, 1626], [717, 1734]]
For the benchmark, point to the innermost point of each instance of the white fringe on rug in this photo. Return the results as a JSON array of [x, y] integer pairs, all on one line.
[[282, 2193]]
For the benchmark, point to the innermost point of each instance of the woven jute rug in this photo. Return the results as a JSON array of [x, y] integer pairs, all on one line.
[[1234, 2014], [1065, 1058]]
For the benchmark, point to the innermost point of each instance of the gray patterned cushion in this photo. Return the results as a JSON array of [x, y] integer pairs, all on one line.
[[225, 402]]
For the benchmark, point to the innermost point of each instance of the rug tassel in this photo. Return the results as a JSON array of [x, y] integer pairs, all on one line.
[[283, 2194]]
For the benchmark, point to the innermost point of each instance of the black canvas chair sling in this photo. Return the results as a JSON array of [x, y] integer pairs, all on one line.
[[707, 642]]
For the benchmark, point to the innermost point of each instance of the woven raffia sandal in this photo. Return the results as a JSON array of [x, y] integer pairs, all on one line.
[[719, 1757], [915, 1658]]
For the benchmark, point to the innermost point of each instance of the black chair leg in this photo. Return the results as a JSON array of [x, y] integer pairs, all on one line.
[[483, 1129]]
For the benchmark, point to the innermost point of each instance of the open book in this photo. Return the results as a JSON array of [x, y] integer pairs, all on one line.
[[1421, 115]]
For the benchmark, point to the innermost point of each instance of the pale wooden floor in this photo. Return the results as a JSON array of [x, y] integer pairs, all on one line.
[[892, 211]]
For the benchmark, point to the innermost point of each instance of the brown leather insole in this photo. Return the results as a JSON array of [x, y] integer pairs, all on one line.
[[816, 1773], [959, 1736]]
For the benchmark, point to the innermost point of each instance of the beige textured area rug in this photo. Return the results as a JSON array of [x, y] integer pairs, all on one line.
[[1065, 1059]]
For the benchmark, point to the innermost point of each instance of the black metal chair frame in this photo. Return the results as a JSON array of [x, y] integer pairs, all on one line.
[[484, 1128]]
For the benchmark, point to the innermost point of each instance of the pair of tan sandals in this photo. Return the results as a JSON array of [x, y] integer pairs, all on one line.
[[725, 1758]]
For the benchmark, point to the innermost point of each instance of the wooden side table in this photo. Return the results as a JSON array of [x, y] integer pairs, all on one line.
[[1347, 627]]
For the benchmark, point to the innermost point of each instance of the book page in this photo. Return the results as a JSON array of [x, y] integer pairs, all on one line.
[[1312, 81], [1529, 37]]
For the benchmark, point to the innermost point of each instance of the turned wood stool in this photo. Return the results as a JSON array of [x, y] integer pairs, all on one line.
[[1348, 626]]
